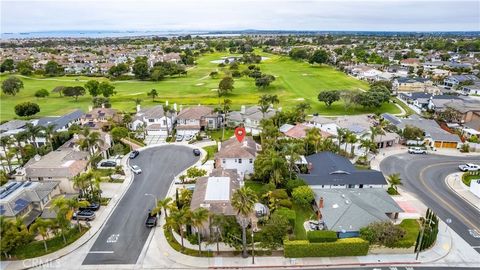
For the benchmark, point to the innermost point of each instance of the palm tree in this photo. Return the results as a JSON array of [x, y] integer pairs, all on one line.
[[374, 131], [49, 132], [8, 157], [243, 200], [217, 222], [94, 139], [341, 132], [266, 101], [313, 136], [300, 111], [351, 139], [177, 220], [272, 166], [19, 139], [346, 135], [5, 142], [60, 205], [293, 151], [225, 109], [81, 182], [41, 226], [33, 132], [366, 144], [198, 217], [2, 158], [394, 180], [74, 204], [167, 109], [163, 204]]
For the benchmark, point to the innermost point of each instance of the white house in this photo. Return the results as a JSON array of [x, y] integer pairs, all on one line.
[[194, 119], [250, 118], [237, 155], [154, 120]]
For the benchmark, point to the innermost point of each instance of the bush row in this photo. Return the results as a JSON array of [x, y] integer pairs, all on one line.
[[341, 247], [321, 236]]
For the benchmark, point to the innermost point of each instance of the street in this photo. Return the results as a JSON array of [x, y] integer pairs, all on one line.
[[124, 234], [424, 175]]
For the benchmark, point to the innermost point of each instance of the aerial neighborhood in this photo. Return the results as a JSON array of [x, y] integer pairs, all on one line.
[[271, 147]]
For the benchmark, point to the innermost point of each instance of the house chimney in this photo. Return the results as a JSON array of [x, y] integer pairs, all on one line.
[[242, 109], [320, 207], [138, 108], [175, 106], [90, 108], [310, 167]]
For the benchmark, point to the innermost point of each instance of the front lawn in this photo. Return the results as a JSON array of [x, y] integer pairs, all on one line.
[[302, 214], [255, 186], [211, 150], [411, 227], [469, 176], [216, 135]]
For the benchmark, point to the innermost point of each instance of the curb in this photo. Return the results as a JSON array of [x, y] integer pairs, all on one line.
[[458, 194], [304, 266]]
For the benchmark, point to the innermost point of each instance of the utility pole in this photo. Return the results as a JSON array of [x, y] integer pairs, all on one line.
[[253, 249]]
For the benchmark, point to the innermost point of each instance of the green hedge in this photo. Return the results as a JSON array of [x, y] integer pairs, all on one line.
[[341, 247], [321, 236], [287, 213]]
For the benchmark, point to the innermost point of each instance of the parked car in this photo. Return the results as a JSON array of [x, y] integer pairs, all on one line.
[[151, 220], [179, 138], [417, 150], [94, 206], [135, 169], [196, 152], [188, 137], [469, 167], [134, 154], [108, 163], [87, 215]]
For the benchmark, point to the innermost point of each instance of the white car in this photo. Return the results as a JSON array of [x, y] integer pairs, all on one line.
[[188, 137], [469, 167], [135, 169], [179, 138], [417, 150]]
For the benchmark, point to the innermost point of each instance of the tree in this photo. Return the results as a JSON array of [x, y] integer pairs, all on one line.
[[99, 102], [319, 57], [52, 68], [367, 145], [329, 97], [225, 86], [265, 101], [119, 133], [168, 110], [140, 68], [92, 88], [198, 217], [60, 205], [243, 201], [25, 68], [49, 131], [351, 139], [213, 74], [413, 133], [7, 65], [26, 109], [153, 93], [450, 115], [163, 204], [298, 53], [41, 226], [300, 109], [58, 89], [118, 70], [225, 110], [270, 166], [12, 85], [274, 231], [32, 132], [303, 195], [74, 91], [386, 84], [177, 220], [42, 93], [264, 81], [394, 180], [382, 233], [106, 89]]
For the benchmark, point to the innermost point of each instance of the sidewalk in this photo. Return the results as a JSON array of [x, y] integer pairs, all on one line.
[[96, 226], [454, 182]]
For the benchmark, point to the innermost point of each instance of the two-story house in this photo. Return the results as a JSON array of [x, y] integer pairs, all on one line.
[[192, 120], [154, 120], [237, 155], [454, 80], [98, 118], [250, 118]]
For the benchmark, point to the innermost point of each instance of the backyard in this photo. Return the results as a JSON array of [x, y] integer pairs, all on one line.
[[295, 82]]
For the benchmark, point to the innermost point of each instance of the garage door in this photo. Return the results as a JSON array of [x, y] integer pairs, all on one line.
[[438, 144], [445, 144]]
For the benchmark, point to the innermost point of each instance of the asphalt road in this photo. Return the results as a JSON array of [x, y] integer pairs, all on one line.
[[425, 175], [124, 235]]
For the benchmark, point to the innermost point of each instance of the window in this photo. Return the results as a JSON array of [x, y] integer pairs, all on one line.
[[239, 160], [251, 161], [224, 161], [151, 120]]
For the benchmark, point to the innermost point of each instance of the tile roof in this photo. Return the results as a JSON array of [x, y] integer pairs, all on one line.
[[196, 112], [232, 148]]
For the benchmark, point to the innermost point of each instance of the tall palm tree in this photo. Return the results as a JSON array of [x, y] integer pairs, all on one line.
[[5, 142], [94, 140], [225, 109], [9, 157], [300, 111], [293, 151], [41, 226], [163, 204], [394, 180], [374, 131], [272, 166], [351, 139], [177, 220], [49, 131], [313, 136], [346, 135], [20, 138], [341, 135], [366, 144], [60, 205], [80, 182], [168, 110], [217, 223], [198, 217], [33, 132], [243, 201], [74, 204]]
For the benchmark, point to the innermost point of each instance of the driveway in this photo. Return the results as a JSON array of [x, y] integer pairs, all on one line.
[[124, 235], [425, 177]]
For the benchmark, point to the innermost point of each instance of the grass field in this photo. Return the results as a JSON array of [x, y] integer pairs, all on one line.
[[295, 81]]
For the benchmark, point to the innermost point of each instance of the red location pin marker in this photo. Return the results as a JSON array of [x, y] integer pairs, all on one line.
[[240, 133]]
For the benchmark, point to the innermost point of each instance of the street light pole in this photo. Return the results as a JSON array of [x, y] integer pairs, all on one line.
[[253, 249]]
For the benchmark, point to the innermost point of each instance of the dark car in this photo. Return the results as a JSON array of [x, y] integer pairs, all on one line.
[[87, 215], [196, 152], [134, 154], [151, 220], [92, 207], [108, 163]]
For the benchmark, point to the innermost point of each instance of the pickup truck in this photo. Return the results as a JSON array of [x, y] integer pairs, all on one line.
[[151, 220], [417, 150], [469, 167]]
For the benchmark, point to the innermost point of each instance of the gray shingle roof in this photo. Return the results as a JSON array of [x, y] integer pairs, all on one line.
[[61, 121]]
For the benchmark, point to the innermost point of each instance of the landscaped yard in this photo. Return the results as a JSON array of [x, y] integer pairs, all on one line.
[[469, 176], [211, 150], [411, 227], [295, 82], [302, 214], [216, 135]]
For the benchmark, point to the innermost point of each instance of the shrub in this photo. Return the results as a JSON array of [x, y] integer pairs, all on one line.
[[321, 236], [294, 183], [303, 195], [279, 194], [287, 213], [341, 247], [382, 233], [285, 203], [26, 109], [392, 191]]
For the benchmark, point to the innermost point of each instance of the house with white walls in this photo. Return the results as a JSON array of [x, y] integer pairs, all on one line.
[[237, 155], [154, 120]]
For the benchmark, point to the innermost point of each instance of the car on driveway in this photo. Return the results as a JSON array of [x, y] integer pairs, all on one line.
[[179, 138], [417, 150], [87, 215], [93, 206], [135, 169], [108, 164], [196, 152], [188, 138], [134, 154], [469, 167]]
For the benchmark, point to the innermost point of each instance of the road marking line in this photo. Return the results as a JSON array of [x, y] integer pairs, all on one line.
[[422, 180], [101, 252]]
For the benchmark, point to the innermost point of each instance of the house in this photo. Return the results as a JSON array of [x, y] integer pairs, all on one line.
[[154, 120], [61, 165], [357, 124], [235, 155], [98, 118], [435, 136], [365, 72], [418, 99], [214, 192], [346, 211], [61, 123], [408, 84], [410, 62], [250, 118], [388, 139], [473, 89], [26, 200], [324, 124], [192, 120], [101, 148], [454, 80], [327, 170], [299, 131]]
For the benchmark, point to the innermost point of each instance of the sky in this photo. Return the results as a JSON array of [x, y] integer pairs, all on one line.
[[162, 15]]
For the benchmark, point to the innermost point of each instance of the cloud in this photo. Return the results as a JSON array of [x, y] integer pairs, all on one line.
[[389, 15]]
